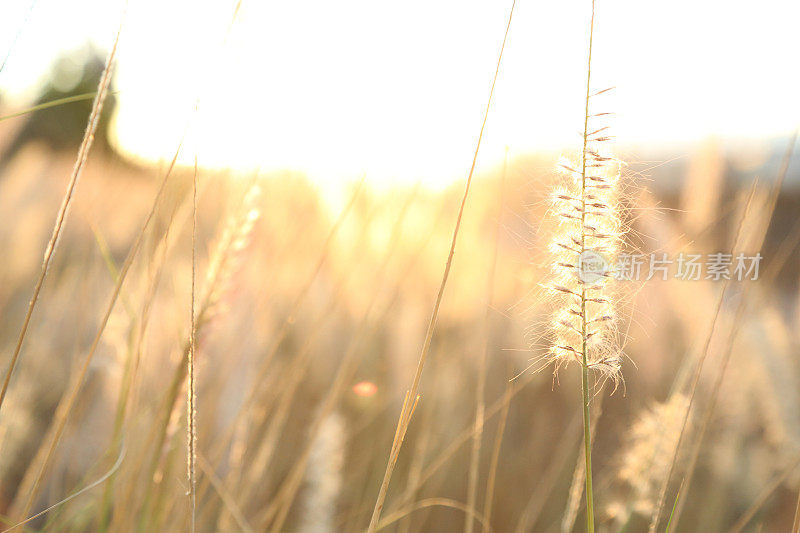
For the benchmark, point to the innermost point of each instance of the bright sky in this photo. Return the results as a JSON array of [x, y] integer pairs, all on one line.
[[397, 89]]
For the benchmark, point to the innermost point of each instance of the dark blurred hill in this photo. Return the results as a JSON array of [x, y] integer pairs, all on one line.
[[61, 128]]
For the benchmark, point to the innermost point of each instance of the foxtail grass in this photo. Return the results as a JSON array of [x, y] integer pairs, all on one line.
[[590, 231]]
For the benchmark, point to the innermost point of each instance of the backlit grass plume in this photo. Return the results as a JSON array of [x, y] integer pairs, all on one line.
[[645, 458], [586, 243], [583, 251]]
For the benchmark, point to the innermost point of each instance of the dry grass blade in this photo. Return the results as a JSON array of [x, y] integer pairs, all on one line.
[[191, 407], [578, 478], [251, 398], [762, 498], [770, 208], [230, 503], [491, 477], [277, 512], [265, 436], [54, 103], [376, 513], [500, 404], [558, 463], [66, 405], [433, 502], [659, 507], [480, 390], [61, 217], [74, 495]]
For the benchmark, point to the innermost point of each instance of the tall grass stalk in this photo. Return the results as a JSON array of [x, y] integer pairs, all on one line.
[[61, 217], [45, 453], [191, 414], [587, 427], [579, 475], [763, 496], [422, 445], [501, 404], [223, 263], [590, 233], [659, 507], [769, 211], [276, 513], [491, 477], [136, 341], [264, 438], [480, 390], [412, 395], [590, 228], [264, 406], [558, 463]]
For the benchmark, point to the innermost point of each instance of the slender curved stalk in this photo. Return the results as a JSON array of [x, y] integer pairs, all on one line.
[[586, 394], [412, 395], [480, 390], [191, 404], [492, 476], [763, 496], [659, 508], [54, 103], [776, 263], [61, 217]]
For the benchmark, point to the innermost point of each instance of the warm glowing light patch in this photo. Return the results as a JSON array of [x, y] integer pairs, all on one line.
[[365, 389]]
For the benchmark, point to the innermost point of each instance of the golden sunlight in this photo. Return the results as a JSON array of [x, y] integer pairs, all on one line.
[[395, 91], [430, 265]]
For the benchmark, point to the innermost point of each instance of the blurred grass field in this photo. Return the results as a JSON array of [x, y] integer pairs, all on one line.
[[311, 312]]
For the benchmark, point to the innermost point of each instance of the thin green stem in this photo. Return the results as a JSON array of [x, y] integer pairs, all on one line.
[[587, 427], [587, 447]]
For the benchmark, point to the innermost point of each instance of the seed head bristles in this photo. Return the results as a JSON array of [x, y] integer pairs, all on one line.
[[224, 261], [644, 460], [590, 228], [589, 233]]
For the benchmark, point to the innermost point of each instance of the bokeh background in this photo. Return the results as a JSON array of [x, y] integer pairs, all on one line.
[[332, 142]]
